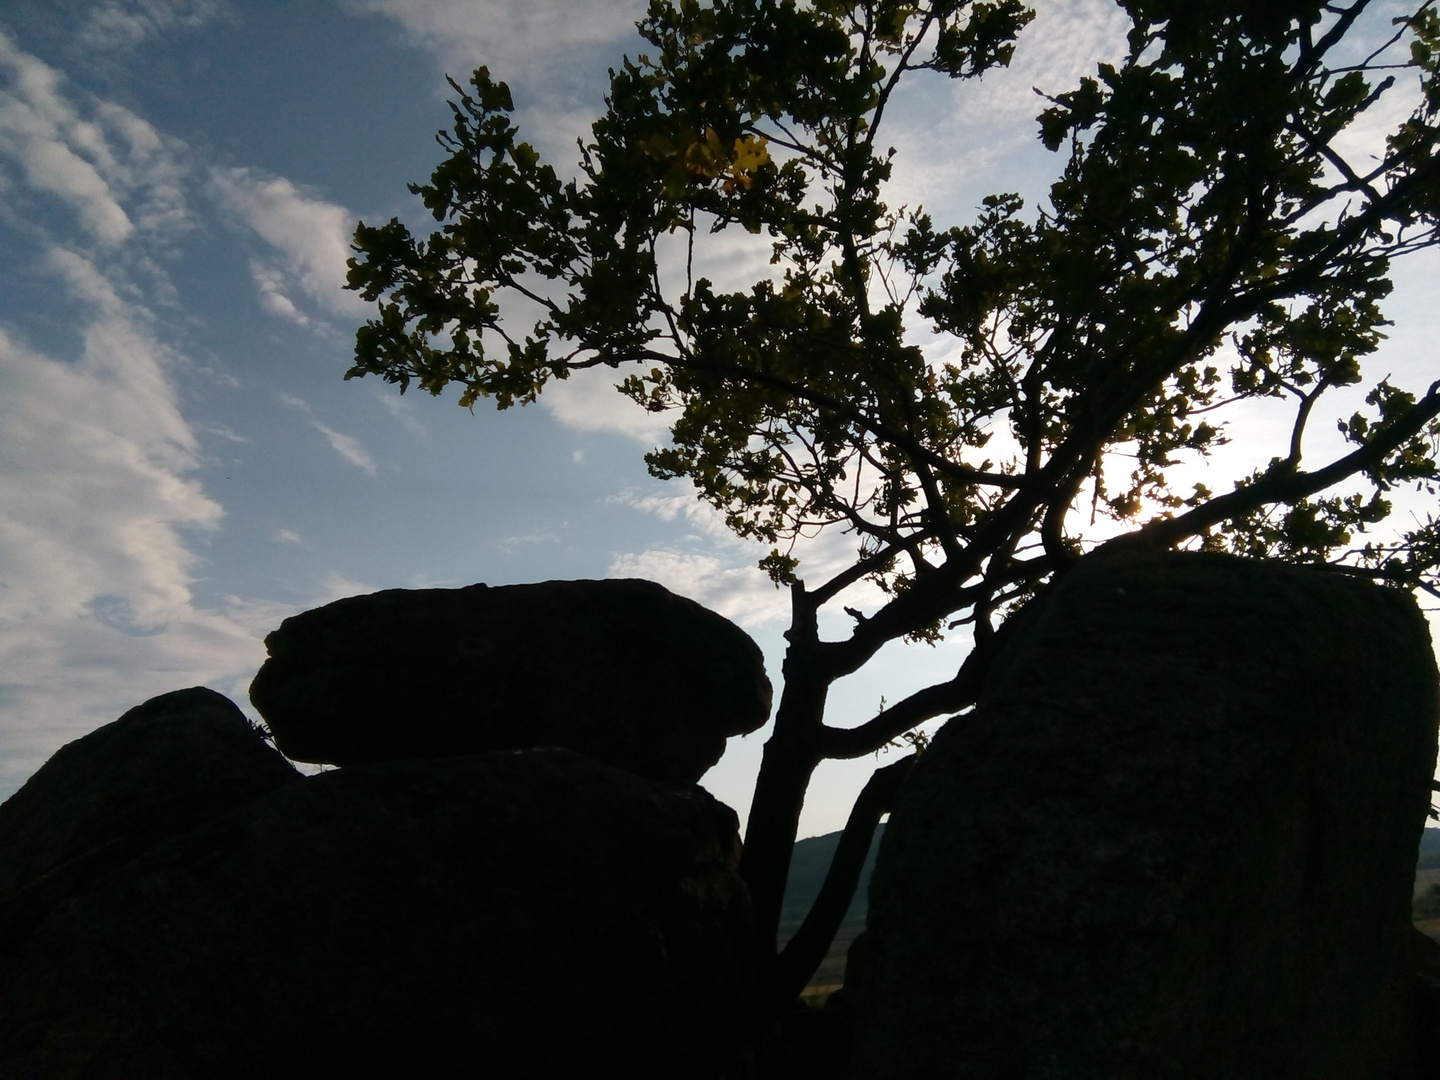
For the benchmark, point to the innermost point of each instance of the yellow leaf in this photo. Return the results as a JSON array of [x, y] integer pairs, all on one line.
[[750, 154]]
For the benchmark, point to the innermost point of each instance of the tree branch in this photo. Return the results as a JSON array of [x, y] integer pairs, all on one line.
[[847, 411], [952, 696], [1312, 53], [926, 704], [857, 571], [1283, 487]]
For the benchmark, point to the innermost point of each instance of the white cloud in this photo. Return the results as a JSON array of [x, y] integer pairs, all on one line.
[[310, 237], [97, 508], [515, 34], [701, 516], [1066, 40], [53, 167], [553, 54], [123, 24], [510, 543], [259, 617], [349, 448], [741, 593], [338, 587], [222, 431], [588, 401], [957, 140], [715, 567], [95, 158], [99, 504], [400, 407], [711, 565], [270, 280]]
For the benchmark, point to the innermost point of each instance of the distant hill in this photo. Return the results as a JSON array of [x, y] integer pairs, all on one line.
[[1429, 851], [808, 865], [811, 859]]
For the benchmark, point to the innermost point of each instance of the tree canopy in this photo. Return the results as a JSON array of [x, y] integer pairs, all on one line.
[[976, 403]]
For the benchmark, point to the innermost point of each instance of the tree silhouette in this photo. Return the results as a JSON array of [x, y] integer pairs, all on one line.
[[1212, 238]]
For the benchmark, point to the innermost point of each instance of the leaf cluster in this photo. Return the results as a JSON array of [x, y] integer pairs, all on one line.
[[1205, 242]]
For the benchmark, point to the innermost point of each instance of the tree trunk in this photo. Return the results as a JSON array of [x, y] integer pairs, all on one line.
[[791, 754], [804, 952], [769, 837]]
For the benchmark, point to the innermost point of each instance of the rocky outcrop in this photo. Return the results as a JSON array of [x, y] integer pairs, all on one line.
[[176, 901], [621, 670], [522, 913], [1175, 839], [165, 766]]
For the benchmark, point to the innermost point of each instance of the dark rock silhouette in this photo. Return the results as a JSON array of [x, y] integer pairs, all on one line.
[[1425, 955], [520, 913], [621, 670], [165, 766], [1176, 838]]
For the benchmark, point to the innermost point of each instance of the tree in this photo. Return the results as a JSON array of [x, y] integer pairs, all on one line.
[[1207, 242]]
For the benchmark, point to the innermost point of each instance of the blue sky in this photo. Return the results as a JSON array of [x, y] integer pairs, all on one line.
[[181, 462]]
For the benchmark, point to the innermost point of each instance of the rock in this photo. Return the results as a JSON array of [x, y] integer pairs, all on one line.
[[1425, 961], [521, 913], [1175, 839], [621, 670], [165, 766]]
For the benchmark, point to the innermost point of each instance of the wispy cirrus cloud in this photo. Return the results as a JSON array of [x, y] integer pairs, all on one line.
[[518, 36], [103, 516], [553, 55], [349, 448], [98, 508], [123, 24], [741, 593], [109, 167], [99, 501], [712, 565], [401, 408], [682, 505], [271, 283], [308, 237]]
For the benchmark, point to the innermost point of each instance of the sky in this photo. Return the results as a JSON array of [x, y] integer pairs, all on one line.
[[183, 465]]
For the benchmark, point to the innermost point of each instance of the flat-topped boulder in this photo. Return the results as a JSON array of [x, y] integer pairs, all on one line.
[[1175, 838], [621, 670]]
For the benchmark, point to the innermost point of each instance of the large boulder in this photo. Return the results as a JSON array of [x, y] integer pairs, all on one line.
[[621, 670], [165, 766], [522, 913], [1175, 839]]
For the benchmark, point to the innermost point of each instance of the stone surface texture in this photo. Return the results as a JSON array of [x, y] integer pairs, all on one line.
[[519, 913], [620, 670], [1175, 839], [164, 767]]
